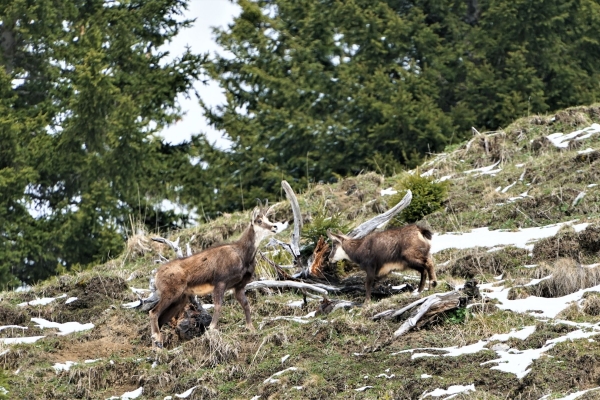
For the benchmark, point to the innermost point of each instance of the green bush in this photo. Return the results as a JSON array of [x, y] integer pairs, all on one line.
[[427, 197], [318, 226]]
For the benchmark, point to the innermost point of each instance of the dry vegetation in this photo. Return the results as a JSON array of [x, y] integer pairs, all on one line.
[[332, 354]]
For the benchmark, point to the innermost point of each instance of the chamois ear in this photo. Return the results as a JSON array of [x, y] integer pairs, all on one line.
[[255, 213], [333, 236]]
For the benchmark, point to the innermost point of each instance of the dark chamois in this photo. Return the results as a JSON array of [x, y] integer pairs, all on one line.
[[216, 269], [381, 252]]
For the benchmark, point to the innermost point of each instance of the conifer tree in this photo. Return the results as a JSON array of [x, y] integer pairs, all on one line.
[[86, 88]]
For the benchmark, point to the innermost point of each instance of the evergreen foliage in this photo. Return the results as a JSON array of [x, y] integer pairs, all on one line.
[[319, 88], [427, 197], [320, 222], [83, 90]]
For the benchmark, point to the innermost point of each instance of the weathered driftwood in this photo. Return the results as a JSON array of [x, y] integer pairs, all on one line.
[[285, 284], [298, 222], [175, 245], [439, 303], [369, 226]]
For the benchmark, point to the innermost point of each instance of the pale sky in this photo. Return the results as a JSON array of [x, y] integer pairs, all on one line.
[[200, 38]]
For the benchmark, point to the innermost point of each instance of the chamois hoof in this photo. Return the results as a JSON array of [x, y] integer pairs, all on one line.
[[157, 345], [434, 284], [251, 328]]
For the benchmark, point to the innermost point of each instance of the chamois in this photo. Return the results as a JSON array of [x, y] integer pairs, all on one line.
[[381, 252], [216, 269]]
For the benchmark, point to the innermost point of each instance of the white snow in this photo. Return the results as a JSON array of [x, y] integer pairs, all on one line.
[[41, 302], [592, 185], [12, 327], [63, 367], [508, 187], [588, 150], [70, 300], [362, 389], [284, 358], [484, 170], [19, 340], [454, 389], [186, 394], [65, 329], [129, 395], [272, 379], [386, 376], [483, 237], [538, 306], [388, 192], [561, 140], [425, 376], [297, 303], [578, 394]]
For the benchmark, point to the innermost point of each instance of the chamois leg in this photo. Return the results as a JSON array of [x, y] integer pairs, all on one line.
[[423, 279], [218, 294], [167, 302], [369, 285], [431, 273], [240, 295]]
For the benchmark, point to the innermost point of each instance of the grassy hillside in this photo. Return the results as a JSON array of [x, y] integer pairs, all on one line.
[[530, 183]]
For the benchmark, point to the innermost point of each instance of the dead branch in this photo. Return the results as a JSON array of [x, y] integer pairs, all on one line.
[[442, 302], [368, 226], [281, 284], [174, 245], [298, 222]]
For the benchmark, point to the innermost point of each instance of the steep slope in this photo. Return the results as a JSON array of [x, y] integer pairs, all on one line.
[[534, 337]]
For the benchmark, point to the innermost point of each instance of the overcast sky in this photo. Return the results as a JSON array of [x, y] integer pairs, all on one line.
[[208, 14]]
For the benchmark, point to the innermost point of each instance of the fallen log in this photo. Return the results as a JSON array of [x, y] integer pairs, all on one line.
[[285, 284]]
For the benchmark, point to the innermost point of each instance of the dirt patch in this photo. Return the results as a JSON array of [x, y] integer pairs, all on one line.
[[94, 349]]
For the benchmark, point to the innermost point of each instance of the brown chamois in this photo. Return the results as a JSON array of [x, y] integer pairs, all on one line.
[[216, 269], [378, 253]]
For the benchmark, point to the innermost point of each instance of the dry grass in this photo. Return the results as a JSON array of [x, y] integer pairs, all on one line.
[[568, 276]]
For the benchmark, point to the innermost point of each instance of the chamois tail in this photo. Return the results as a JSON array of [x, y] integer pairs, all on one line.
[[427, 234]]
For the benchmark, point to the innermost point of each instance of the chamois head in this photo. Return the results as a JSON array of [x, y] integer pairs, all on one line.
[[260, 221], [337, 250]]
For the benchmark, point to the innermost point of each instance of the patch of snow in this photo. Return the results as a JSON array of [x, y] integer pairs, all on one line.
[[399, 287], [284, 358], [483, 170], [454, 389], [186, 394], [92, 361], [483, 237], [3, 391], [522, 176], [538, 306], [578, 199], [134, 394], [429, 173], [444, 178], [39, 302], [272, 379], [426, 376], [561, 140], [63, 367], [297, 303], [255, 398], [70, 300], [208, 306], [362, 389], [588, 150], [386, 376], [141, 291], [12, 327], [388, 192], [20, 340], [298, 387], [536, 281], [65, 329], [508, 187], [519, 165], [592, 185]]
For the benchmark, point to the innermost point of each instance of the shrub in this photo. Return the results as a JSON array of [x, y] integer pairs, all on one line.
[[318, 226], [427, 197]]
